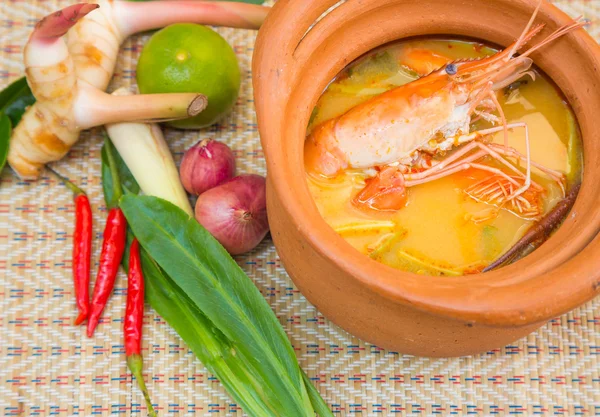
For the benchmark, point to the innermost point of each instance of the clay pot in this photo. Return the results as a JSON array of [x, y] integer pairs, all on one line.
[[409, 313]]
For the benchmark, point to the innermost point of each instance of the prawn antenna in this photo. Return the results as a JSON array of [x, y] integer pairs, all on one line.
[[524, 37], [561, 31]]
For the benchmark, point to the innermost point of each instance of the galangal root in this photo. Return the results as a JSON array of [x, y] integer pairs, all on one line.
[[68, 75]]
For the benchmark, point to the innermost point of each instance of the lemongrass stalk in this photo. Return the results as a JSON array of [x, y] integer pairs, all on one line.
[[384, 243], [132, 17], [95, 107], [375, 226], [145, 152], [418, 261]]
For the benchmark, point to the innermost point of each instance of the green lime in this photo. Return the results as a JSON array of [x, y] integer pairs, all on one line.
[[190, 58]]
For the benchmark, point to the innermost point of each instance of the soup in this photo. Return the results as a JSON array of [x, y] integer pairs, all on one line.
[[418, 212]]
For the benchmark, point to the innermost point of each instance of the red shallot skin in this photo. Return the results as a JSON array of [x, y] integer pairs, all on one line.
[[206, 165], [235, 213]]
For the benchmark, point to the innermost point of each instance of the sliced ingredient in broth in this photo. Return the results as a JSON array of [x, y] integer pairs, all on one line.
[[460, 222]]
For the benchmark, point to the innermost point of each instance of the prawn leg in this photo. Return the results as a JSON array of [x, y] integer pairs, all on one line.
[[557, 176], [519, 191], [387, 190]]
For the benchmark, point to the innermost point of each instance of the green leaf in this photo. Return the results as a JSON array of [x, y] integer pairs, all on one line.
[[110, 152], [15, 99], [5, 131], [16, 108], [316, 400], [126, 178], [213, 281], [209, 345], [206, 341], [11, 91]]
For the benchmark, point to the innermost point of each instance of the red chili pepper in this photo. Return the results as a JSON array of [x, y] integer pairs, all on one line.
[[82, 248], [134, 314], [110, 258]]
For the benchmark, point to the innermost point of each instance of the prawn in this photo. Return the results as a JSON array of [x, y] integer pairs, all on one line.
[[69, 74], [399, 131]]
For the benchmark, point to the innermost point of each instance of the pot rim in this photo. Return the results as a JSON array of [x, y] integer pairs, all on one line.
[[495, 298]]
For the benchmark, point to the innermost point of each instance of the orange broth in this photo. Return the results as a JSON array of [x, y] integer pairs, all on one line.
[[438, 233]]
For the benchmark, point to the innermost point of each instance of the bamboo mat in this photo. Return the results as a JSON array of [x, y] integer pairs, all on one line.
[[49, 368]]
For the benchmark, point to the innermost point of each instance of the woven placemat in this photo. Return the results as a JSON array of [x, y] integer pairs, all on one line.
[[48, 367]]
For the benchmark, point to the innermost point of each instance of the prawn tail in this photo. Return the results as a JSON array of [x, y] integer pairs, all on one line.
[[321, 154]]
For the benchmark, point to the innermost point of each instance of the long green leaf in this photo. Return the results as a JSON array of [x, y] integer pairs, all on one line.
[[202, 268], [5, 131], [317, 401], [202, 337]]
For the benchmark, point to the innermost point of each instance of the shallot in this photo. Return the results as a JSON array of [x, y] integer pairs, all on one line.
[[235, 212], [206, 165]]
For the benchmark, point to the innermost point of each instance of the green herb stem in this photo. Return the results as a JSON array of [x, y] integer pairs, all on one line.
[[125, 176], [135, 364], [76, 190], [116, 183]]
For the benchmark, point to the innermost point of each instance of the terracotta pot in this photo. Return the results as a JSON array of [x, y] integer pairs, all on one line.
[[414, 314]]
